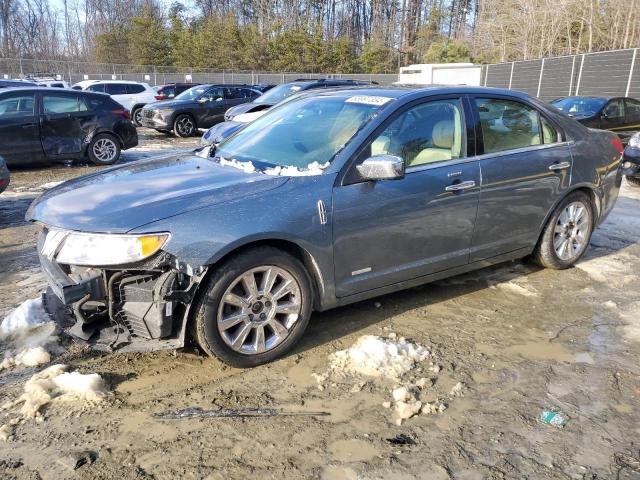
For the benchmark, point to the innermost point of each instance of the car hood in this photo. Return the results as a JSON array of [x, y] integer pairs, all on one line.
[[170, 104], [120, 199], [247, 107]]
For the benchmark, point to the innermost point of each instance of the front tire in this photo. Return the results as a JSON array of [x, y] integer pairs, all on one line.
[[184, 126], [633, 181], [104, 149], [254, 308], [566, 236]]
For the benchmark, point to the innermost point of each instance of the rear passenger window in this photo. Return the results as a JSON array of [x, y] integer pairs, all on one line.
[[549, 133], [60, 103], [116, 89], [96, 88], [427, 133], [508, 125], [135, 88]]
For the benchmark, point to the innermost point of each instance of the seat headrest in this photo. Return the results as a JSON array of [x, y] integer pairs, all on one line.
[[516, 120], [443, 134]]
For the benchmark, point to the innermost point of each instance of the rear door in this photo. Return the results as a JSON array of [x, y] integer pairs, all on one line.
[[64, 123], [19, 130], [525, 167], [390, 231], [632, 115]]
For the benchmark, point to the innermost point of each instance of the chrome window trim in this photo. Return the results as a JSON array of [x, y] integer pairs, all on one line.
[[477, 158]]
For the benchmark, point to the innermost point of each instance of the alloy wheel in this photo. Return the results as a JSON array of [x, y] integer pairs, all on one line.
[[258, 309], [137, 117], [571, 231], [185, 126], [105, 150]]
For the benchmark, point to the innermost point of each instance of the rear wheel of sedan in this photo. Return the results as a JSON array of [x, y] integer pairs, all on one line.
[[136, 116], [566, 236], [254, 308], [184, 126], [104, 149]]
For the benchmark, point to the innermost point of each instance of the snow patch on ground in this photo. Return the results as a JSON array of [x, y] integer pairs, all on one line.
[[378, 357], [28, 336], [514, 287], [57, 384], [392, 361], [48, 185], [29, 357], [29, 314]]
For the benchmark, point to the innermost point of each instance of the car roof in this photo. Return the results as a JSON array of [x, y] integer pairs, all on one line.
[[397, 91], [120, 81], [40, 88], [590, 97]]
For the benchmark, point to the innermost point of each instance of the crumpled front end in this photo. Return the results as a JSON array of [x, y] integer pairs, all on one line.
[[136, 307]]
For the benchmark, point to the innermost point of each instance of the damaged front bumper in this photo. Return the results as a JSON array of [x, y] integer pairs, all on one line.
[[140, 307]]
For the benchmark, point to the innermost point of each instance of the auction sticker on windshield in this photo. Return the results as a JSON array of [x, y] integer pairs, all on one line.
[[368, 99]]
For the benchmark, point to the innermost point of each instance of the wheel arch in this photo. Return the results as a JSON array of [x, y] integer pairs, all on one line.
[[286, 245], [594, 196], [102, 131]]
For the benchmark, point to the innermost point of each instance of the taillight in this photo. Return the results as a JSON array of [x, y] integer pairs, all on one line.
[[161, 97], [122, 113], [617, 144]]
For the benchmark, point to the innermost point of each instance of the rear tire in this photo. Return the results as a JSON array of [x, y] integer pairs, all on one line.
[[263, 325], [184, 126], [104, 149], [566, 236], [136, 116], [633, 181]]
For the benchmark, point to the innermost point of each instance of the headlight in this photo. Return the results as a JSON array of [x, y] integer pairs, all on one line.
[[93, 249]]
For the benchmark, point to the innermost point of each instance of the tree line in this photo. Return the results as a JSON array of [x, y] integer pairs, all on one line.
[[348, 36]]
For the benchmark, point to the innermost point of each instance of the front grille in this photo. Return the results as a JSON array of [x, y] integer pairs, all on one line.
[[148, 113]]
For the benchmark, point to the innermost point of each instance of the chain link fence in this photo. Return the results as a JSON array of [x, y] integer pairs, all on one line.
[[603, 74], [73, 72]]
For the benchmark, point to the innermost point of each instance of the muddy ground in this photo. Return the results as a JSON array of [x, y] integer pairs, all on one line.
[[520, 339]]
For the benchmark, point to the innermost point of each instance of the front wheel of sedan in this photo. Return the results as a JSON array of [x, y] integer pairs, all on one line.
[[184, 126], [567, 234], [104, 149], [254, 308]]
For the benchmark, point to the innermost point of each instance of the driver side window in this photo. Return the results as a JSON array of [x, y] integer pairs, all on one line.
[[614, 110], [427, 133], [215, 94]]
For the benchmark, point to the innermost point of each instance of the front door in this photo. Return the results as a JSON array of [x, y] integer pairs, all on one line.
[[62, 123], [19, 130], [526, 169], [389, 231]]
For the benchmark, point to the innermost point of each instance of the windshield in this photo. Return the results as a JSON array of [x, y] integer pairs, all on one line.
[[278, 93], [579, 106], [302, 133], [192, 93]]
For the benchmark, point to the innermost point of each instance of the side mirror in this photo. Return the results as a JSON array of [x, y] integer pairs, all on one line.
[[381, 167]]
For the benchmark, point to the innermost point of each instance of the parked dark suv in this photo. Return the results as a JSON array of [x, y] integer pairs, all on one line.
[[172, 90], [43, 125], [199, 107], [277, 94]]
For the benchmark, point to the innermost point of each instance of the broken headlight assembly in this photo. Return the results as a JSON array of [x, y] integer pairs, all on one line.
[[93, 249]]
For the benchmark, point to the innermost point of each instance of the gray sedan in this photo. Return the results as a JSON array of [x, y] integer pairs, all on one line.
[[323, 201]]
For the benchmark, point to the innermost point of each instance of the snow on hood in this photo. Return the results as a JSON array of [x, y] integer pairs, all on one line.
[[249, 116], [314, 168]]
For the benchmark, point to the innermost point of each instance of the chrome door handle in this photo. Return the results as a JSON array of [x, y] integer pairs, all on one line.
[[456, 187], [559, 166]]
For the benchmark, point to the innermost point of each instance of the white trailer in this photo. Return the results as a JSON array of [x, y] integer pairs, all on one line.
[[440, 74]]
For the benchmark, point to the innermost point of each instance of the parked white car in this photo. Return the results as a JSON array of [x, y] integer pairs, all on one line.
[[131, 95]]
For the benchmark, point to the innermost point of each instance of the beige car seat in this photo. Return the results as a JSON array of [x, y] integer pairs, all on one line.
[[446, 144]]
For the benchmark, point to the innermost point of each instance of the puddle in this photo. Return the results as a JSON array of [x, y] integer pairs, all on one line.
[[352, 451], [542, 351]]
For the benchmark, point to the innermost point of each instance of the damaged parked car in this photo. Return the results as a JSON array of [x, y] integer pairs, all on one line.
[[324, 201], [42, 125]]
